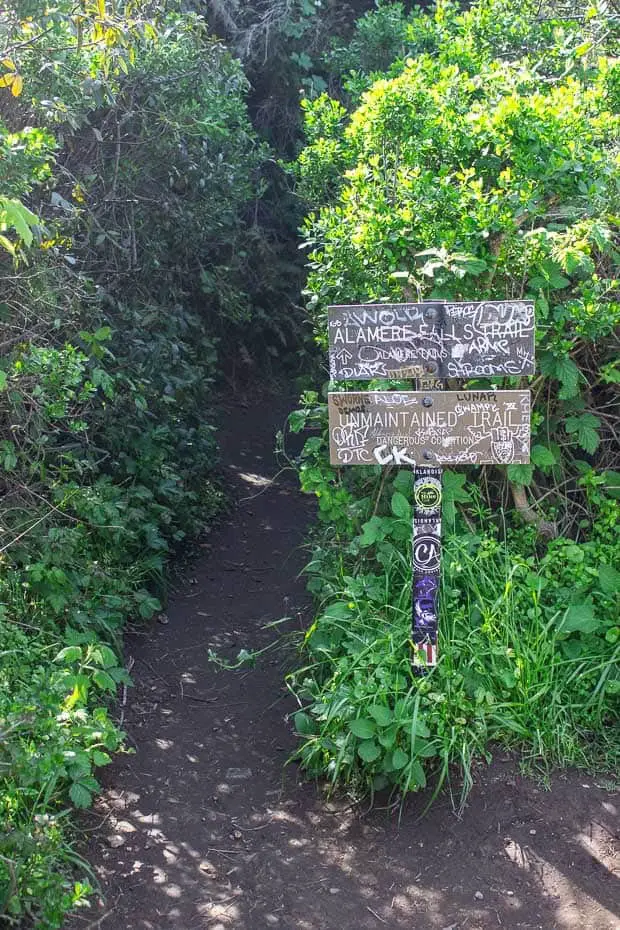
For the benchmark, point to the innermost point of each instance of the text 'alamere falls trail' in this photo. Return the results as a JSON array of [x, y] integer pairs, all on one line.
[[457, 340], [429, 428]]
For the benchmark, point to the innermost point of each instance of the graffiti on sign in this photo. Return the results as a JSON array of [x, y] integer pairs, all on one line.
[[417, 427], [448, 340]]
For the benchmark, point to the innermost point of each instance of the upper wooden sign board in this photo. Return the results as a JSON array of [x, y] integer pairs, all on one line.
[[446, 340], [429, 428]]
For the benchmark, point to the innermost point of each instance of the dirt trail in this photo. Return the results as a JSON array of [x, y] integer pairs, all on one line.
[[201, 828]]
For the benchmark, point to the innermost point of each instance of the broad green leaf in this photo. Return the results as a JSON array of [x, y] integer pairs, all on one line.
[[416, 777], [403, 482], [106, 656], [609, 579], [303, 723], [567, 373], [399, 759], [542, 456], [373, 530], [69, 654], [400, 506], [453, 487], [80, 795], [520, 474], [104, 681], [369, 750], [382, 715], [362, 727], [421, 729], [14, 213], [585, 427], [579, 619], [387, 736], [612, 484]]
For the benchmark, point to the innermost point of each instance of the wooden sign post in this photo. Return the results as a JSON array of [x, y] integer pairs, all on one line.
[[429, 427]]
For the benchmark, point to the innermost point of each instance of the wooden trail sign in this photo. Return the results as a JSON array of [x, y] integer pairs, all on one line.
[[448, 340], [429, 427]]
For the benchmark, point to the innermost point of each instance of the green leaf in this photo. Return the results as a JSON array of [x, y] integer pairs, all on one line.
[[400, 506], [585, 426], [381, 714], [105, 656], [387, 736], [568, 374], [520, 474], [612, 484], [69, 654], [558, 282], [3, 379], [372, 531], [453, 492], [303, 723], [399, 759], [369, 750], [403, 482], [453, 487], [416, 777], [80, 795], [579, 619], [104, 681], [609, 579], [8, 454], [420, 729], [362, 727], [542, 457]]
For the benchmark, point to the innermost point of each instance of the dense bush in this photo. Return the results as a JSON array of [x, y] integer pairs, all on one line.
[[484, 164], [529, 638], [131, 254]]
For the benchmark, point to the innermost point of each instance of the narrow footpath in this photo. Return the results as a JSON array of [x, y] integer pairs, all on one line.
[[203, 826]]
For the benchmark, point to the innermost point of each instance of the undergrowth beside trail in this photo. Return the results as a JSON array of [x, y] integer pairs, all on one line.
[[528, 648], [133, 259]]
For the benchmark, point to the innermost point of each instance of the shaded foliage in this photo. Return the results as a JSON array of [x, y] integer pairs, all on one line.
[[134, 258]]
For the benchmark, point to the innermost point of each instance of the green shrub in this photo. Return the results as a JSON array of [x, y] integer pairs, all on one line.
[[529, 640], [469, 176], [130, 256], [482, 163]]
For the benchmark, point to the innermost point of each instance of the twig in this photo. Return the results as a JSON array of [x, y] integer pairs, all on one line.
[[130, 665], [545, 527], [99, 921]]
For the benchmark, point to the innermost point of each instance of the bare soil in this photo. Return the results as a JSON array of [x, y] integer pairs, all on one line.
[[203, 825]]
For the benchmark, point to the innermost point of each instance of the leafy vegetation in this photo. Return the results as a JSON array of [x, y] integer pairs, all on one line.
[[146, 244], [529, 637], [132, 257], [473, 154]]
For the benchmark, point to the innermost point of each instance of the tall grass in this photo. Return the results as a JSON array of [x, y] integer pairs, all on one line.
[[516, 667]]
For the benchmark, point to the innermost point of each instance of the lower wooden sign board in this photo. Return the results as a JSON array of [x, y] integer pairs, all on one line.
[[429, 428]]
